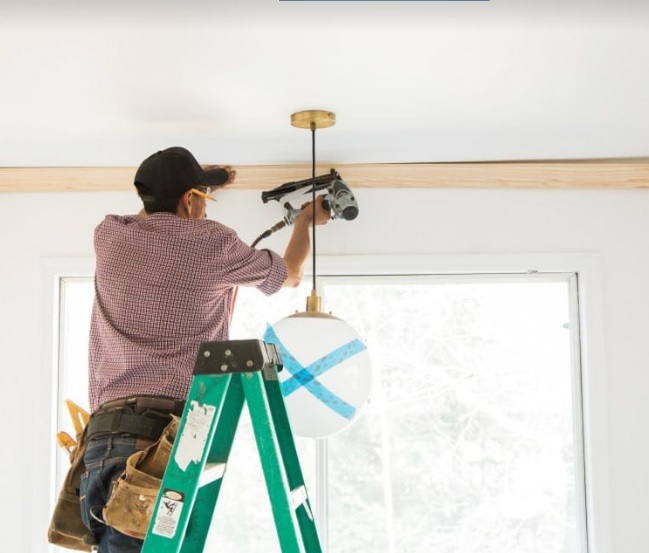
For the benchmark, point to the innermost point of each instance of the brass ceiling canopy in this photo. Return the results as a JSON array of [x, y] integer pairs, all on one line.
[[313, 119]]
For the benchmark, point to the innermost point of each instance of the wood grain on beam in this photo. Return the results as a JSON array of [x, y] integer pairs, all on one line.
[[579, 174]]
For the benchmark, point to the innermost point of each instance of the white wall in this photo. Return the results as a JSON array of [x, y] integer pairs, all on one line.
[[610, 226]]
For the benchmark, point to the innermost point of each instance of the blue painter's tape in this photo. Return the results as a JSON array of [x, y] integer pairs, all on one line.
[[322, 365], [306, 376]]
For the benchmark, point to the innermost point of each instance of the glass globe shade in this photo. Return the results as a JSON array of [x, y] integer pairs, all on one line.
[[326, 378]]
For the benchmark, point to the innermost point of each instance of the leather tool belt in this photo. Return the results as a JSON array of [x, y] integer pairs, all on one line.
[[141, 416]]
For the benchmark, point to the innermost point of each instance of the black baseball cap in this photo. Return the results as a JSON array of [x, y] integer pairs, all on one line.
[[168, 174]]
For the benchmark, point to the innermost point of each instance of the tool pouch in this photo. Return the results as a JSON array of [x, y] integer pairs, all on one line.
[[134, 494], [66, 527]]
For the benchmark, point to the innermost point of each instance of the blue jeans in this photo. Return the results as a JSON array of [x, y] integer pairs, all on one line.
[[105, 461]]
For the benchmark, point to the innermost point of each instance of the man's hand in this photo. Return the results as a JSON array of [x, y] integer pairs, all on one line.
[[228, 168], [322, 215], [299, 245]]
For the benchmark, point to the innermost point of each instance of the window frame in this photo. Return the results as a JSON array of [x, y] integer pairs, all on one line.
[[589, 385]]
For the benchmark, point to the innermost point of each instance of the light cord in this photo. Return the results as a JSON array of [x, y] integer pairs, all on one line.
[[313, 127]]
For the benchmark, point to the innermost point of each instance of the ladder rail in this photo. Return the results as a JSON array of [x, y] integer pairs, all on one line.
[[182, 475], [195, 535], [291, 460], [275, 473]]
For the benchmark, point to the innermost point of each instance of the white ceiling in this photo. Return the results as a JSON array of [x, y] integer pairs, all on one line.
[[101, 85]]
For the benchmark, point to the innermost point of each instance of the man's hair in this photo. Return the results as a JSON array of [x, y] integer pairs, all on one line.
[[166, 205]]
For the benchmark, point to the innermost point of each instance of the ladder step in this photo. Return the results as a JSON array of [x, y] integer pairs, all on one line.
[[298, 496], [211, 472]]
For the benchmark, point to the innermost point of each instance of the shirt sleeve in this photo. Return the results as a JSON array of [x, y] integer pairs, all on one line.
[[242, 265], [277, 274]]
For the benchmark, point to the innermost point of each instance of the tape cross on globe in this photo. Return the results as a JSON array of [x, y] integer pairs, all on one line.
[[307, 376]]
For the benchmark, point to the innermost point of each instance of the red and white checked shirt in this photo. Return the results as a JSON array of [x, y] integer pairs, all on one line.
[[164, 285]]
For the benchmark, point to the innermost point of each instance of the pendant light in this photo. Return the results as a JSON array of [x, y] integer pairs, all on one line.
[[326, 379]]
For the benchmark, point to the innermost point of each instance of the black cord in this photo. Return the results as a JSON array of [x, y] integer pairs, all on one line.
[[259, 238], [267, 233], [313, 198]]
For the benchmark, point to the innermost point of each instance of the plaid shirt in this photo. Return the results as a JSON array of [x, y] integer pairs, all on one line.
[[163, 285]]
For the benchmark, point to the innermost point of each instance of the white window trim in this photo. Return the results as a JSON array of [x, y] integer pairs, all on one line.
[[592, 351], [53, 270]]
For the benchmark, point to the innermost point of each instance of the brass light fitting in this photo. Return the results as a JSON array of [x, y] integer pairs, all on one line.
[[313, 119]]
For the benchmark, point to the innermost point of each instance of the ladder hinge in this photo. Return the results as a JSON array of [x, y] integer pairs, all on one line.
[[238, 356]]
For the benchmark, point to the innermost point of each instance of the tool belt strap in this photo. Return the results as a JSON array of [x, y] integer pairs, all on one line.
[[120, 422], [140, 404]]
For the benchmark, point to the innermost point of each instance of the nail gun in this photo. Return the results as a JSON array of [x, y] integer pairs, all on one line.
[[339, 199]]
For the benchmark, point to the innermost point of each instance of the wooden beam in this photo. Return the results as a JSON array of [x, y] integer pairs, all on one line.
[[577, 174]]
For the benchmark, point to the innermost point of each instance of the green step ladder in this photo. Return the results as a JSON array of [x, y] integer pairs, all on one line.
[[227, 375]]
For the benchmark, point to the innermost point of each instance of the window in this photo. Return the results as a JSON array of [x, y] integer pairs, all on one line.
[[471, 442], [75, 295]]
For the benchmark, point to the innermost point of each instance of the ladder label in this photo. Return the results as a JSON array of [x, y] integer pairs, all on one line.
[[168, 515], [194, 435]]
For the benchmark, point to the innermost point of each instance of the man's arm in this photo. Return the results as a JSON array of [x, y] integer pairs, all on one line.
[[299, 246]]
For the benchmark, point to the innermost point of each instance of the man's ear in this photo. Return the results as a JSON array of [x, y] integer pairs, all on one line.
[[185, 205]]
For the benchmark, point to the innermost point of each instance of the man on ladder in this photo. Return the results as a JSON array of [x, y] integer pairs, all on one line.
[[165, 282]]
